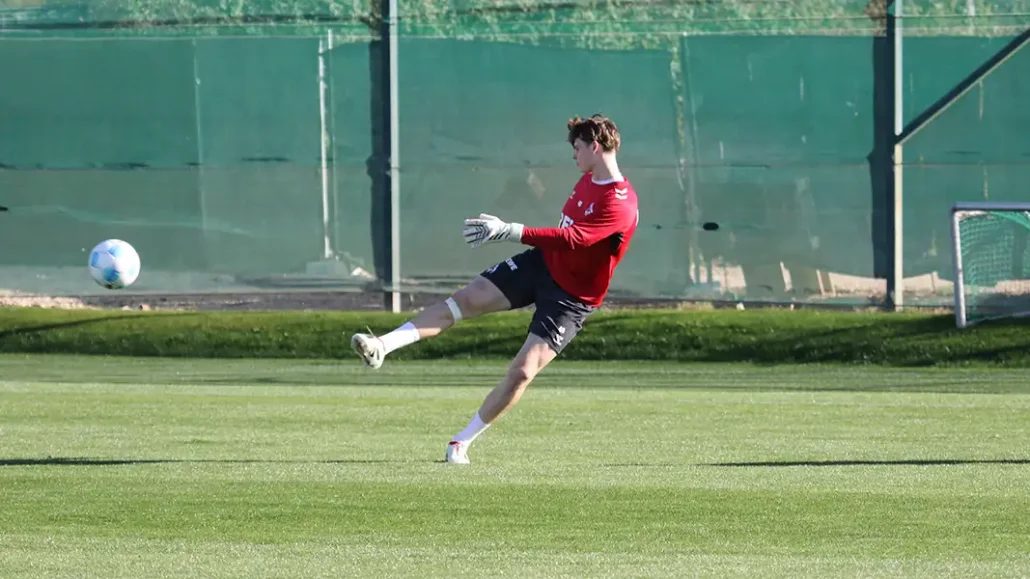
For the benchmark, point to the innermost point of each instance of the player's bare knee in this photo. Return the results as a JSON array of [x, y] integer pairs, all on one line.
[[520, 375]]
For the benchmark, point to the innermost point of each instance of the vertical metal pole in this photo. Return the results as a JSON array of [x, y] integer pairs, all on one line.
[[896, 283], [960, 282], [393, 296], [327, 248], [334, 186], [688, 154], [200, 150]]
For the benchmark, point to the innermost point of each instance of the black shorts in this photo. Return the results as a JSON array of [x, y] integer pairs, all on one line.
[[524, 280]]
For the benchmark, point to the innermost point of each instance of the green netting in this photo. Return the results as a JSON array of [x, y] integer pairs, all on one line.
[[779, 129], [995, 263], [612, 24], [972, 151], [204, 154], [98, 141], [482, 135], [259, 130], [194, 129]]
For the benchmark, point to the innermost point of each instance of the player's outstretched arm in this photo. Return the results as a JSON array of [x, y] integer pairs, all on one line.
[[611, 218]]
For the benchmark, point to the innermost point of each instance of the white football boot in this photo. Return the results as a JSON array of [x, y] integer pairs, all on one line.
[[370, 348], [457, 452]]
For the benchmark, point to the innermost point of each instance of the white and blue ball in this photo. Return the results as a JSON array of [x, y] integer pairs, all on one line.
[[114, 264]]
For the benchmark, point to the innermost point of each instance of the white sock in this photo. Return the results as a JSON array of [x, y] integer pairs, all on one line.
[[474, 429], [402, 336]]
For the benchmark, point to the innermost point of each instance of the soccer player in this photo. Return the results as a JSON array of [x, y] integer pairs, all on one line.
[[565, 273]]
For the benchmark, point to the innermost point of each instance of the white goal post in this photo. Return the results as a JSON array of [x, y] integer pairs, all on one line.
[[991, 260]]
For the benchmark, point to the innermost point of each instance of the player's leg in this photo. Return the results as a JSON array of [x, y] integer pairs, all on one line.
[[500, 288], [478, 298], [557, 320], [535, 355]]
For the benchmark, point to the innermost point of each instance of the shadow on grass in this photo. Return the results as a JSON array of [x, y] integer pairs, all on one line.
[[902, 462], [63, 325], [911, 342], [82, 461]]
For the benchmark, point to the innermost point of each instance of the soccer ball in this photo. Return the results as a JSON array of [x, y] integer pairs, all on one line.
[[114, 264]]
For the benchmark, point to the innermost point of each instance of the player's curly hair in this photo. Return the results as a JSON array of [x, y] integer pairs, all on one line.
[[596, 129]]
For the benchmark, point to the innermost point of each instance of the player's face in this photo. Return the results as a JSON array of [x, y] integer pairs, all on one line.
[[584, 155]]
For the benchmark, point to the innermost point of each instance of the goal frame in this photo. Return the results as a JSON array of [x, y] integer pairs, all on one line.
[[957, 212]]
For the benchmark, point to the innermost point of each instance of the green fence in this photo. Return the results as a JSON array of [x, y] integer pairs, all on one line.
[[203, 153], [198, 136]]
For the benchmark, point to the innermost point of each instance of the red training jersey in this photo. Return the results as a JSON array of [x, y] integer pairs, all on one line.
[[597, 224]]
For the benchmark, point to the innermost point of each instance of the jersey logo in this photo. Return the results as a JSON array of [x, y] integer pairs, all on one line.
[[566, 221], [589, 210], [621, 193]]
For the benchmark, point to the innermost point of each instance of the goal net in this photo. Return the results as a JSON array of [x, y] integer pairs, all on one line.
[[992, 260]]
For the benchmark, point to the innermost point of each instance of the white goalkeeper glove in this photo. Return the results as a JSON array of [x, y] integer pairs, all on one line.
[[488, 229]]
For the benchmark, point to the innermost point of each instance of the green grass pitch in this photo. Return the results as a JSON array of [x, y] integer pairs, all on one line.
[[128, 468]]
